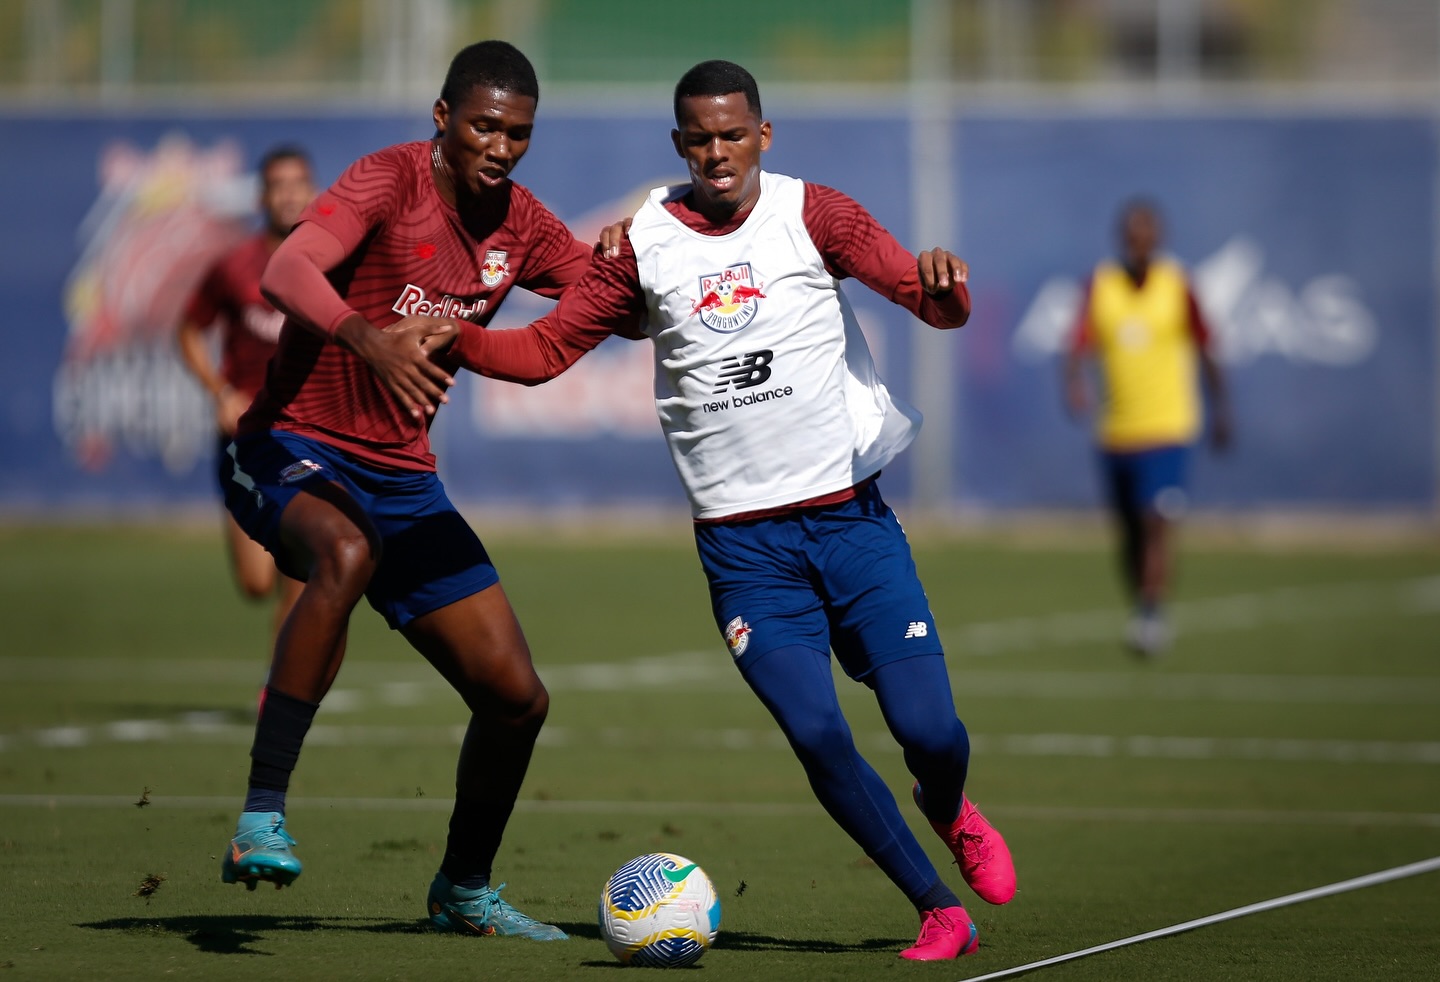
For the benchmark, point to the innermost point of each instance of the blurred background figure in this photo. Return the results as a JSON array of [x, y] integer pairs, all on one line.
[[1143, 330], [228, 301]]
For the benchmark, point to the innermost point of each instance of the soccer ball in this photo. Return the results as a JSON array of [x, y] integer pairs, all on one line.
[[659, 911]]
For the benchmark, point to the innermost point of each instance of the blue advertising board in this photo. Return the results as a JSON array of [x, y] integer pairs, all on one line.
[[1310, 238]]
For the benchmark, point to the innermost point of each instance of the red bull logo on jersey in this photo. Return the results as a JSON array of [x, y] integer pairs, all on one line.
[[729, 299], [494, 269], [737, 636], [413, 301]]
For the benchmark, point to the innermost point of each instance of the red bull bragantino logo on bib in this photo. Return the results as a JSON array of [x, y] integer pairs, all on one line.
[[728, 299]]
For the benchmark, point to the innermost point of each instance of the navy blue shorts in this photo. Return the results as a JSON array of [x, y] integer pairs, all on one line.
[[429, 556], [837, 578], [1147, 480]]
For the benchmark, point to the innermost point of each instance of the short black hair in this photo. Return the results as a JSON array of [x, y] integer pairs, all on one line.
[[493, 64], [717, 78], [284, 151]]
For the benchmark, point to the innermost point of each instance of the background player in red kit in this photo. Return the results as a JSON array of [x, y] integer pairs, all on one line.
[[779, 425], [230, 301], [332, 468]]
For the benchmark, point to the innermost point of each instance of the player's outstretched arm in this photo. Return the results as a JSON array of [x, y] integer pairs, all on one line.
[[295, 283], [932, 285], [607, 300]]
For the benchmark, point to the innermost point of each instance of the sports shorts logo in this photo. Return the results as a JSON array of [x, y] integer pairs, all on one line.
[[744, 371], [413, 301], [917, 629], [300, 470], [494, 269], [729, 299], [737, 636]]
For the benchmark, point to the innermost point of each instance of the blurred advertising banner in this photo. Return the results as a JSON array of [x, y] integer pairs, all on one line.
[[1310, 238]]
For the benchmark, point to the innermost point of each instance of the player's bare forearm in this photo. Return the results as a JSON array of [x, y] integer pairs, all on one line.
[[195, 355]]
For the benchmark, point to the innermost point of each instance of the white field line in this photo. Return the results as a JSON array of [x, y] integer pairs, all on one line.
[[1329, 890], [1036, 813], [213, 728]]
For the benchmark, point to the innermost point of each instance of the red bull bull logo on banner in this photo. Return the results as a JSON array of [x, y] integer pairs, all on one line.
[[728, 299]]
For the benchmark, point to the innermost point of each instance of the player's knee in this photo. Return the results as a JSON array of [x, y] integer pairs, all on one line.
[[346, 561], [818, 735], [933, 740]]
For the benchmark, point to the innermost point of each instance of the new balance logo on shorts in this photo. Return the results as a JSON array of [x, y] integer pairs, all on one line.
[[744, 371], [917, 629]]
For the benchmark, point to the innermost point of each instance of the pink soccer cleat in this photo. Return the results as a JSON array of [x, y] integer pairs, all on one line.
[[945, 932], [980, 852]]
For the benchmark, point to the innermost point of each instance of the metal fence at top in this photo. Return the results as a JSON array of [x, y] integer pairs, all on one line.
[[391, 51]]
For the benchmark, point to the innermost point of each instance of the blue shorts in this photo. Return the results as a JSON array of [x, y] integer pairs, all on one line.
[[1147, 480], [839, 577], [429, 556]]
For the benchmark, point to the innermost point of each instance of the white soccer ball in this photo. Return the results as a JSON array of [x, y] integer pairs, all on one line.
[[659, 911]]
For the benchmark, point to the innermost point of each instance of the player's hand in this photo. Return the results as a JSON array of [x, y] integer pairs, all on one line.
[[940, 270], [229, 407], [611, 238], [398, 355]]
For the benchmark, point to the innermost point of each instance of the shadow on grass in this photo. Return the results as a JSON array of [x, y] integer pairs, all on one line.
[[225, 934], [747, 941]]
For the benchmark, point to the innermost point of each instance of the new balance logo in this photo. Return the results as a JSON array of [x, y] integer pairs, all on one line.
[[917, 629], [744, 371]]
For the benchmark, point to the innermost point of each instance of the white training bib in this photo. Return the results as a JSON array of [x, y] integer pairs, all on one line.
[[764, 385]]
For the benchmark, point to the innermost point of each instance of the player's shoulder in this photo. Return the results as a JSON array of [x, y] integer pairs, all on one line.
[[394, 167]]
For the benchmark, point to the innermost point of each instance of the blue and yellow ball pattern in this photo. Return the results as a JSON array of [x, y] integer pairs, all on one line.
[[659, 911]]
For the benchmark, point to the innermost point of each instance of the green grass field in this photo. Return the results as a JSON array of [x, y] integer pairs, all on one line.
[[1290, 740]]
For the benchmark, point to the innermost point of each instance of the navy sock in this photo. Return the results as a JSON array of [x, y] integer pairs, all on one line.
[[914, 696], [476, 827], [795, 684], [279, 733]]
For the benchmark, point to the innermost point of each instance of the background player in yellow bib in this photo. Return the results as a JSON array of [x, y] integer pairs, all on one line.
[[1145, 333]]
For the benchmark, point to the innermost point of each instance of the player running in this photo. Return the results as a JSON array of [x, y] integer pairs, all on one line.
[[229, 300], [1141, 324], [779, 425], [332, 470]]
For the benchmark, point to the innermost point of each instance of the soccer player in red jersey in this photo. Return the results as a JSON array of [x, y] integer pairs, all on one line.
[[229, 300], [332, 471], [778, 426]]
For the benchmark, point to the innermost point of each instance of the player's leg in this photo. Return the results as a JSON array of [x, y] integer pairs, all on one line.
[[1161, 496], [437, 586], [884, 634], [252, 566], [317, 530], [287, 591], [765, 605], [477, 645], [1128, 515]]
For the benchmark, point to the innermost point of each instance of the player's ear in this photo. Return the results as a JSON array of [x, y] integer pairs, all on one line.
[[764, 135], [675, 139], [441, 115]]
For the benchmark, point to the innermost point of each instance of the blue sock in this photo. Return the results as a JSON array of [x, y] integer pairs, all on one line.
[[279, 733], [475, 830], [795, 684]]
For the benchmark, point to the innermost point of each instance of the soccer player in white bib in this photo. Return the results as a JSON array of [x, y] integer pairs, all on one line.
[[778, 426]]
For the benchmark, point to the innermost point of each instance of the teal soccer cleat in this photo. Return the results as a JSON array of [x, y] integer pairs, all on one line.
[[482, 912], [260, 851]]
